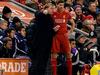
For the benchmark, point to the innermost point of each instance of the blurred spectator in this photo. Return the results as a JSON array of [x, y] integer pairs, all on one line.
[[88, 24], [98, 30], [67, 7], [21, 42], [32, 4], [79, 16], [75, 57], [16, 23], [93, 53], [70, 2], [79, 2], [10, 32], [80, 41], [6, 14], [3, 26], [6, 50], [92, 9]]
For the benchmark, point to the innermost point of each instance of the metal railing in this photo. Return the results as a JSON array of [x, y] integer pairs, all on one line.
[[24, 6]]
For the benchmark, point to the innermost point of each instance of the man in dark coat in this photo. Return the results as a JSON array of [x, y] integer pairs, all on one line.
[[41, 41]]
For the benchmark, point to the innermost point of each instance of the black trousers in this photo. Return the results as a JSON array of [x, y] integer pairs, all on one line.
[[39, 63]]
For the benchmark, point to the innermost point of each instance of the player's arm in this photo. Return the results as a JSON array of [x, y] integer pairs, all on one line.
[[72, 24]]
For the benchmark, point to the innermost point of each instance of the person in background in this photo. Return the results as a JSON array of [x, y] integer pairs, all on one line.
[[92, 10], [3, 27], [75, 57], [70, 2], [80, 41], [6, 50], [79, 16], [10, 32], [92, 52], [21, 42], [16, 22], [79, 2], [88, 24], [6, 14], [97, 29]]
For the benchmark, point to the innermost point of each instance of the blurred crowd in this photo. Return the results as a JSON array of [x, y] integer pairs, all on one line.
[[16, 38]]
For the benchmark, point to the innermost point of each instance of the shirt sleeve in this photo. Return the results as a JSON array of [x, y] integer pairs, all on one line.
[[69, 16]]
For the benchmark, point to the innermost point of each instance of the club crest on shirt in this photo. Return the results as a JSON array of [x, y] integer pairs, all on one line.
[[54, 16], [64, 21], [64, 16]]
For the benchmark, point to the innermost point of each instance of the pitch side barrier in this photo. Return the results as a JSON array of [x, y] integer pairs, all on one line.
[[79, 31], [24, 6]]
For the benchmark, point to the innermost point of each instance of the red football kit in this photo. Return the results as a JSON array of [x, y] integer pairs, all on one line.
[[60, 42]]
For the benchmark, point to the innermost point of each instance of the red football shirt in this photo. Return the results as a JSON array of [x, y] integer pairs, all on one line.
[[61, 19]]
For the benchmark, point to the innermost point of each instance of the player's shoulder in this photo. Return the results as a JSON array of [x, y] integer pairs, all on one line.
[[55, 12], [66, 12]]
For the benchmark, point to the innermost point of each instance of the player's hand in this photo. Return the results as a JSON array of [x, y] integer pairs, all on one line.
[[56, 28]]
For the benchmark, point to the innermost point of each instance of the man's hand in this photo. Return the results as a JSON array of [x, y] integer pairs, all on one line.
[[56, 28]]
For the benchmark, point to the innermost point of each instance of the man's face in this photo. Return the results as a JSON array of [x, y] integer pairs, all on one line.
[[73, 44], [12, 33], [82, 40], [23, 32], [78, 11], [80, 2], [98, 19], [60, 6], [92, 7], [50, 9], [69, 2], [4, 26], [9, 45], [8, 15], [18, 24]]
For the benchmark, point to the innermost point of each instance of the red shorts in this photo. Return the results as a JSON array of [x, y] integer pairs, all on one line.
[[60, 44]]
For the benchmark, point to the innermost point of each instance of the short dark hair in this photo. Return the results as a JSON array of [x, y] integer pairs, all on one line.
[[9, 30], [20, 28], [16, 19], [91, 3], [71, 40], [61, 1], [6, 10]]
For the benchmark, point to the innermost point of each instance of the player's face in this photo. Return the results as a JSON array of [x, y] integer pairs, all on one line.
[[60, 6]]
